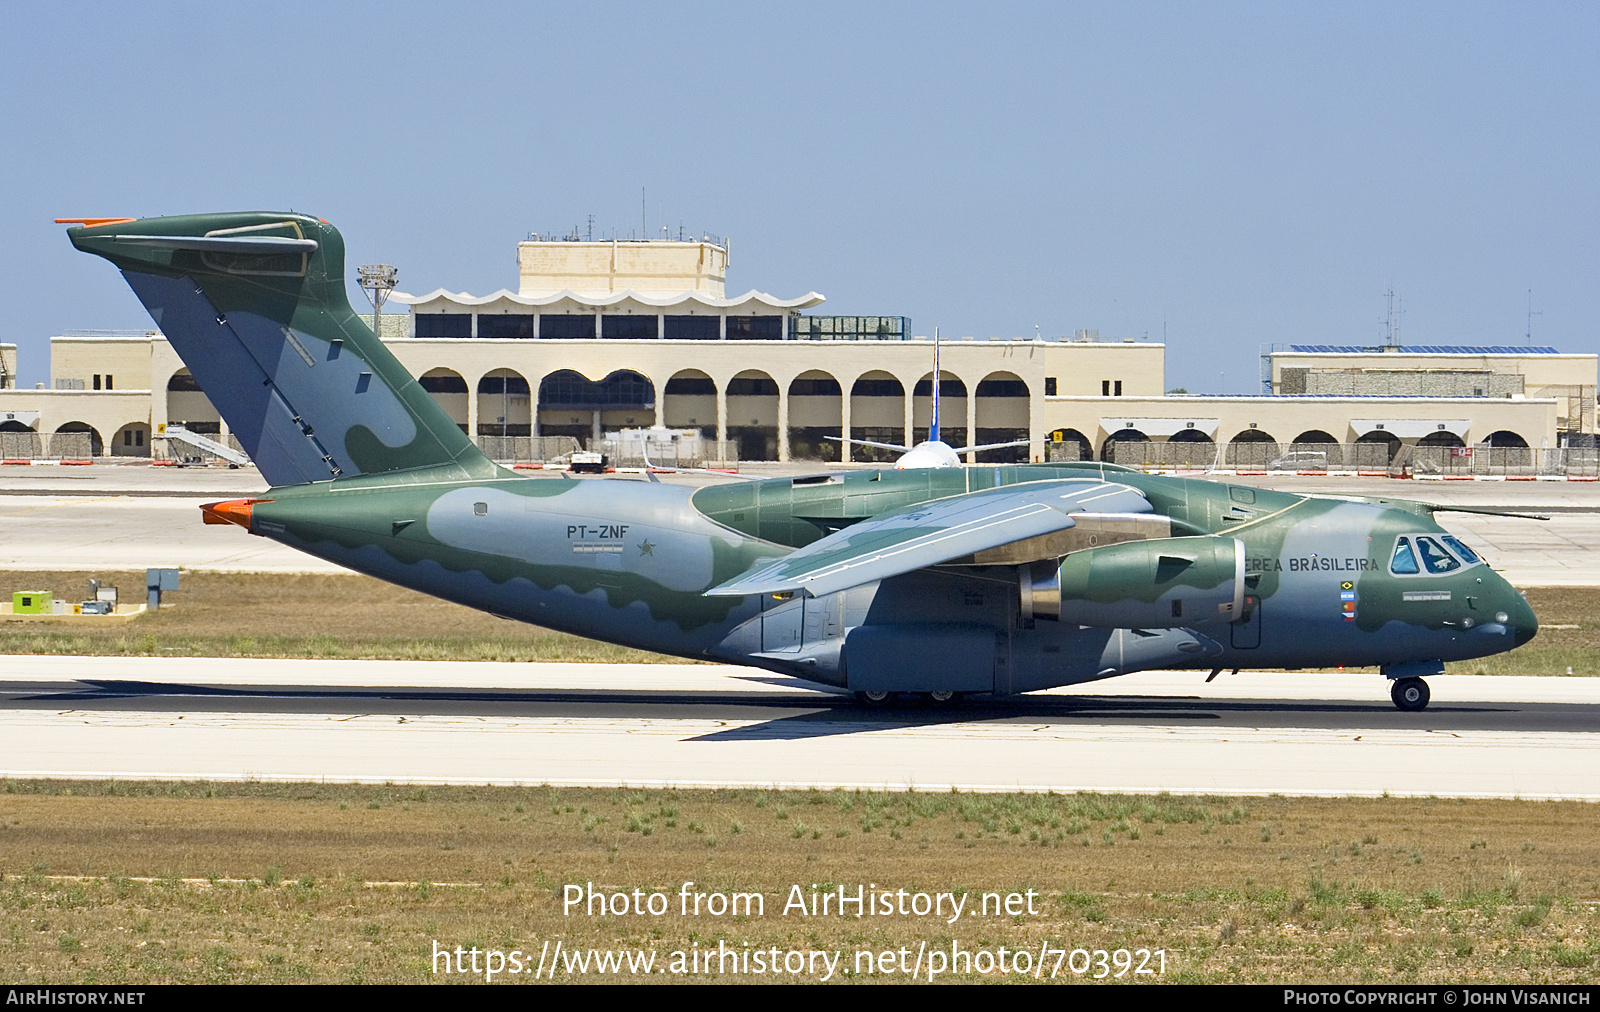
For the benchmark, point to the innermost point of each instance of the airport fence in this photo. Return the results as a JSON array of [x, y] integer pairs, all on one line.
[[1066, 449], [1369, 458], [1363, 458], [1264, 456], [528, 449], [688, 453], [1509, 461], [46, 445]]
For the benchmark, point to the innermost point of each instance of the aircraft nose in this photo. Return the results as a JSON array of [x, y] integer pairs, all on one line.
[[1511, 610], [1523, 620]]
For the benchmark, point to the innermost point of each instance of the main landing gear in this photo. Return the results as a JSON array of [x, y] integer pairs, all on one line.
[[1409, 693], [939, 699]]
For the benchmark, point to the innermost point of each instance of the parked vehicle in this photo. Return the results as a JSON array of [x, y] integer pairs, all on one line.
[[1300, 460]]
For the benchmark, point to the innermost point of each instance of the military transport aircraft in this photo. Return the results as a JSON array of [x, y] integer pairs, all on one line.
[[935, 581]]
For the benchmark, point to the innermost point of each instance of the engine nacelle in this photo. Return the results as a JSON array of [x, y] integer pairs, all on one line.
[[1158, 584]]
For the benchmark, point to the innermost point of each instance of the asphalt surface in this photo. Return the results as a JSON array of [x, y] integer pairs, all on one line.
[[708, 725]]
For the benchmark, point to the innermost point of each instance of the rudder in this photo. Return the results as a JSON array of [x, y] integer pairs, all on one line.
[[255, 305]]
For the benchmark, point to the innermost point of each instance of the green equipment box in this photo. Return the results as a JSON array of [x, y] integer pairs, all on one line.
[[31, 602]]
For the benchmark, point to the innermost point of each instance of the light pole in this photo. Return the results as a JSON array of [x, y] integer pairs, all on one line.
[[377, 280]]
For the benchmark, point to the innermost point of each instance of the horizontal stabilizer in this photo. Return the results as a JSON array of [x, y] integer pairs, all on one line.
[[221, 244], [932, 533]]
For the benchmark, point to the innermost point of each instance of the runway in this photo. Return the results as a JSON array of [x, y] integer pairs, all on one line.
[[706, 725]]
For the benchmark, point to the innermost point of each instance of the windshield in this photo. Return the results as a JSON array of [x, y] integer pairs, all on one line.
[[1404, 561], [1467, 555], [1435, 557]]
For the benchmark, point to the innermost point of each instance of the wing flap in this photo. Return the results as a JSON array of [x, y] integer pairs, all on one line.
[[932, 533]]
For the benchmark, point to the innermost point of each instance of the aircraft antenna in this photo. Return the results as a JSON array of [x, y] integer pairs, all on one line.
[[933, 422]]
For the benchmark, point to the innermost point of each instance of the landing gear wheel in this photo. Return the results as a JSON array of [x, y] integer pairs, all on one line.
[[1409, 693], [874, 699], [942, 698]]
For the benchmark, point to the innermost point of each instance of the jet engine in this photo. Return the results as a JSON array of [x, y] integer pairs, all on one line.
[[1162, 583]]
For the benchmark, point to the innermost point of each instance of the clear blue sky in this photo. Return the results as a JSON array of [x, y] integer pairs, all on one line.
[[1238, 173]]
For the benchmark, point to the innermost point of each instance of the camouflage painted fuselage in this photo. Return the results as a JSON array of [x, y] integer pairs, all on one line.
[[630, 561], [371, 473]]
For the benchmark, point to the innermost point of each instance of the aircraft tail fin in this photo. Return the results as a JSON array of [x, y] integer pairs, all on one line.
[[255, 305]]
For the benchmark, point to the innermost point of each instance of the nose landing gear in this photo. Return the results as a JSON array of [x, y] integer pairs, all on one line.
[[1409, 693]]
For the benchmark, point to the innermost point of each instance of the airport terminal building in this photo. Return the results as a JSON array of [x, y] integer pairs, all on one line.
[[601, 336]]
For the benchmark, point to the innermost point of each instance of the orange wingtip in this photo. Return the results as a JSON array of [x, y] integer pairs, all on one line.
[[234, 511], [92, 222]]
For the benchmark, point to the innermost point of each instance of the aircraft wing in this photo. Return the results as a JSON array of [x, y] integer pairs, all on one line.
[[933, 532], [997, 446], [868, 442]]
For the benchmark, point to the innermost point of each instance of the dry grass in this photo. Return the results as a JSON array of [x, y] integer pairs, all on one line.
[[294, 615], [148, 883]]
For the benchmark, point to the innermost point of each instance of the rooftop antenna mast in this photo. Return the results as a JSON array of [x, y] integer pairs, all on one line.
[[1531, 314], [1391, 337], [590, 234]]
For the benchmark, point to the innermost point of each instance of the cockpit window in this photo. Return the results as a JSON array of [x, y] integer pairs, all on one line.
[[1404, 561], [1435, 557], [1467, 555]]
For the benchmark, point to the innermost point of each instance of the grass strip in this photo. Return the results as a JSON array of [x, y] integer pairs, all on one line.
[[215, 882]]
